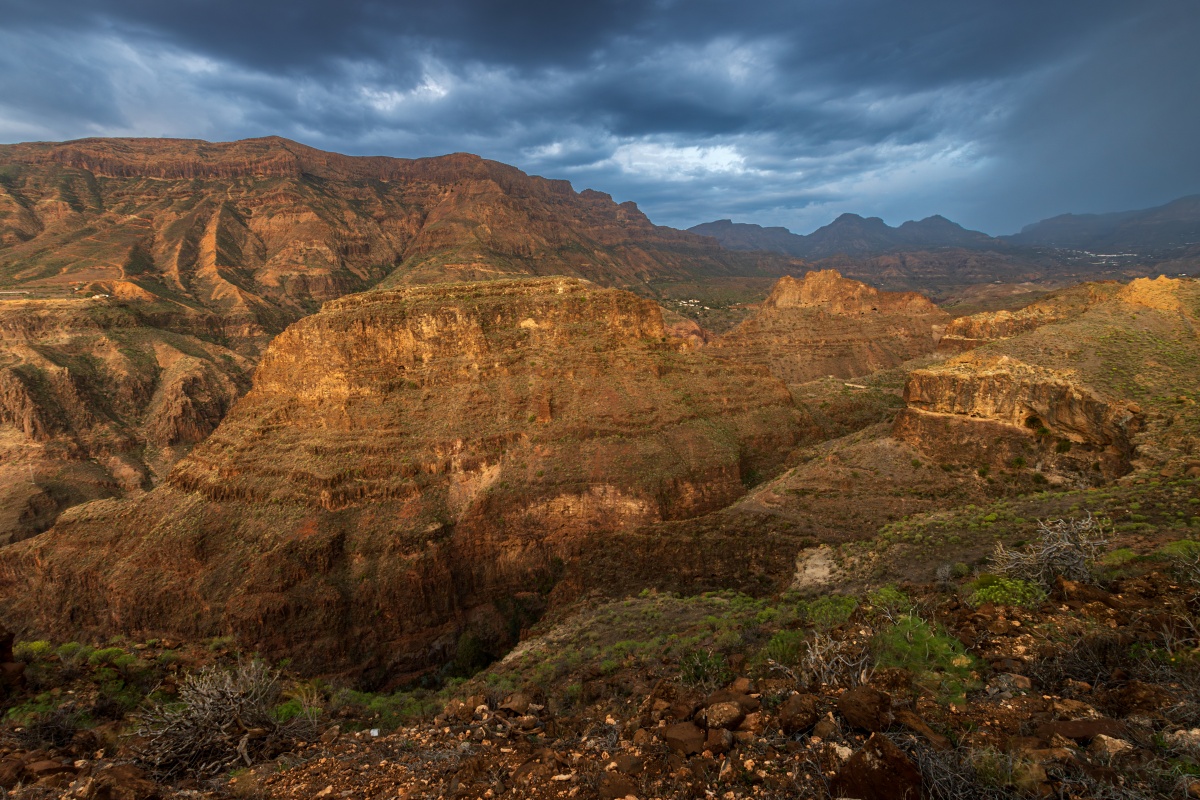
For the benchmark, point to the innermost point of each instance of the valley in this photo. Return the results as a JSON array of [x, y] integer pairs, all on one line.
[[485, 487]]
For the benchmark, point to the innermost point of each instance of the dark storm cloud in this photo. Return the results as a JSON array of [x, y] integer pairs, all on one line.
[[778, 111]]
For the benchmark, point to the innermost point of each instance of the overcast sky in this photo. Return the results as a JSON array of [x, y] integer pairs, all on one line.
[[994, 113]]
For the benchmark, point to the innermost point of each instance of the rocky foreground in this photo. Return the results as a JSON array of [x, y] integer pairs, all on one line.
[[986, 687]]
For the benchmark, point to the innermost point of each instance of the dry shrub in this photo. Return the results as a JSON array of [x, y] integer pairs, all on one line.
[[1066, 548], [222, 717], [835, 662]]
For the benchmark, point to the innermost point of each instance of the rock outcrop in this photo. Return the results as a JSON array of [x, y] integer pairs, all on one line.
[[410, 464], [991, 410], [824, 324], [1104, 388]]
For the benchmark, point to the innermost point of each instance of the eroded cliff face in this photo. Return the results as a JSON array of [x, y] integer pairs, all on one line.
[[824, 324], [229, 243], [261, 231], [96, 402], [410, 464], [989, 410]]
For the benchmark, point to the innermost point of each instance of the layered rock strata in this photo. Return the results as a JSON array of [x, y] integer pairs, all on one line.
[[261, 231], [826, 325], [411, 464], [992, 410]]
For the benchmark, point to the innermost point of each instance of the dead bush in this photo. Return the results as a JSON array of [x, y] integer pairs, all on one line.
[[1066, 548], [835, 662], [222, 717]]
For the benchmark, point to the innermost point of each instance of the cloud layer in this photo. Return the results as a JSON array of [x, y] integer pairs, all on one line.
[[784, 112]]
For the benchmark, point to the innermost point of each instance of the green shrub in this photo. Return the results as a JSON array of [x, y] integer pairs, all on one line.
[[390, 711], [830, 611], [32, 651], [703, 668], [73, 653], [784, 647], [1005, 592], [1119, 557], [937, 661], [1182, 549], [890, 599], [113, 657]]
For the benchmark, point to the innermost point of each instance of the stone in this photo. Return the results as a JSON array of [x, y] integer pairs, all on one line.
[[724, 715], [457, 710], [683, 738], [827, 728], [745, 701], [798, 713], [10, 772], [719, 741], [616, 786], [752, 723], [630, 764], [1073, 709], [878, 771], [331, 735], [866, 708], [126, 782], [517, 703], [1185, 740], [1108, 747], [742, 686], [40, 769]]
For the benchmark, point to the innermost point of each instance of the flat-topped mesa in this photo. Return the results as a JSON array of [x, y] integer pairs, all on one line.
[[824, 324], [988, 410], [967, 333], [409, 464]]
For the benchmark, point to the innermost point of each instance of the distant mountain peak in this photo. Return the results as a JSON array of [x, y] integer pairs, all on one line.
[[849, 234]]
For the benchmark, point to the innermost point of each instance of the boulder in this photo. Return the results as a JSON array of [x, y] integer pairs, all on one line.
[[724, 715], [125, 782], [615, 786], [1108, 747], [879, 771], [684, 738], [718, 741], [517, 703], [10, 772], [866, 708], [798, 713]]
